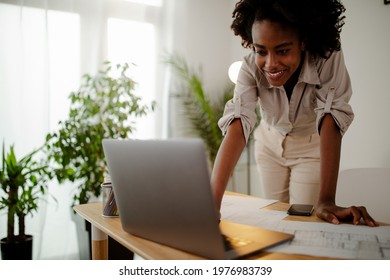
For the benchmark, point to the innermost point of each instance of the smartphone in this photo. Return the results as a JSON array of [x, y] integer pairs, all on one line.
[[300, 209]]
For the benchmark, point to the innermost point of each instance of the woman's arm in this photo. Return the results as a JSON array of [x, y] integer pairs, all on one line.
[[330, 160], [228, 154]]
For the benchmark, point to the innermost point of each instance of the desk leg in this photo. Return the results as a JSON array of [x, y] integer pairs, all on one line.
[[99, 244]]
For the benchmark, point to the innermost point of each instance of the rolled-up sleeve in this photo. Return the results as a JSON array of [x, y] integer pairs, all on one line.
[[335, 92], [243, 104]]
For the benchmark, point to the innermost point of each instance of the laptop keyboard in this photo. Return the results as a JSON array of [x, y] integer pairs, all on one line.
[[234, 242]]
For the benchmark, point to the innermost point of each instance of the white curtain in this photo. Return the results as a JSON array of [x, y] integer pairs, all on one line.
[[45, 47]]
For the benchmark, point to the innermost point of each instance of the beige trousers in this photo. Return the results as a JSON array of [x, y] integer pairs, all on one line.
[[289, 166]]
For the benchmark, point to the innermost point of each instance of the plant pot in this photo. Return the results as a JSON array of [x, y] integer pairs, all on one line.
[[17, 250]]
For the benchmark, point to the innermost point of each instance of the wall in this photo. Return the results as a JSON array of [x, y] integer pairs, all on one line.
[[200, 31], [366, 44]]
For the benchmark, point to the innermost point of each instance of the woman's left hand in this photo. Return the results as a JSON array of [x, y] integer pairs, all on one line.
[[332, 213]]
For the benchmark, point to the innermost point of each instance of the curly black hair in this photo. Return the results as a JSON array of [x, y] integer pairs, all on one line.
[[318, 22]]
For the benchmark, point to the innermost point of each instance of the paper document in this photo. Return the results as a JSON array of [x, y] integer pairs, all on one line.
[[246, 210], [336, 241], [316, 239]]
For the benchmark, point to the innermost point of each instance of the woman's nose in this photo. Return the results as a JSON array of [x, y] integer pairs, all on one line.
[[271, 61]]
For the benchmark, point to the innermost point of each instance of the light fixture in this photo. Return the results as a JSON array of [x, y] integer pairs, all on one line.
[[234, 69]]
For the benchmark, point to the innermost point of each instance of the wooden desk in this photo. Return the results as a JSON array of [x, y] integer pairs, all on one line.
[[103, 227]]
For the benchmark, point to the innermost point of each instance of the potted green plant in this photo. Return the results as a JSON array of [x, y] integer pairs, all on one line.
[[22, 182], [104, 106], [200, 111]]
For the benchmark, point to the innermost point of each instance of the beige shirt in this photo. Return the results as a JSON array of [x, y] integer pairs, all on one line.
[[323, 87]]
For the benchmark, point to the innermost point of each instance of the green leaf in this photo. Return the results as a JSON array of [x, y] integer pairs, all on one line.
[[23, 181], [101, 108], [202, 113]]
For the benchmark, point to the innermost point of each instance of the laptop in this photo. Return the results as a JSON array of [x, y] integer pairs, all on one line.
[[163, 193]]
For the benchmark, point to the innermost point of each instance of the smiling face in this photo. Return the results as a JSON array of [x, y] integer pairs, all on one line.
[[278, 51]]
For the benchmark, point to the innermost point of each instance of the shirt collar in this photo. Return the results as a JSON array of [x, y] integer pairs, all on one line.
[[309, 73]]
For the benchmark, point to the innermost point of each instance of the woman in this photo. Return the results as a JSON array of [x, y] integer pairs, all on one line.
[[296, 73]]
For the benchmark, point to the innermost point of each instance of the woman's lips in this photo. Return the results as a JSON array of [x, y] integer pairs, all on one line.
[[275, 75]]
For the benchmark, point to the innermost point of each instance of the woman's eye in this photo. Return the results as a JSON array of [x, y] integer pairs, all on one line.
[[261, 52], [283, 52]]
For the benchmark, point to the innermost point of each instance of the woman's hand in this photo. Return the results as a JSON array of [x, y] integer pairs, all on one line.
[[332, 213], [330, 160]]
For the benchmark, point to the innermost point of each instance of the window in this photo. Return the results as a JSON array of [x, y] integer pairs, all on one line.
[[134, 42], [39, 51], [44, 52]]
